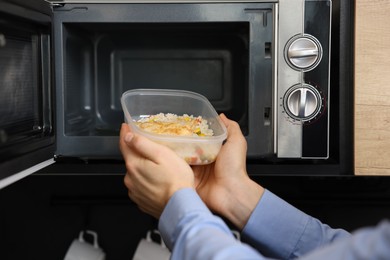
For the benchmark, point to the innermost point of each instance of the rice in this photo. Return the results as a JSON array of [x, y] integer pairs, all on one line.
[[172, 124]]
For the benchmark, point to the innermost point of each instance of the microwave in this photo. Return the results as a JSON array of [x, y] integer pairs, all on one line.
[[280, 68]]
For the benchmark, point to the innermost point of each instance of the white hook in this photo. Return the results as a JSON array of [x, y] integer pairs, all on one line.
[[155, 231], [236, 234], [93, 234]]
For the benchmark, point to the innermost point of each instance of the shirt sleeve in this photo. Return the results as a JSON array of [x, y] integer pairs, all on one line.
[[277, 229], [365, 243], [191, 231]]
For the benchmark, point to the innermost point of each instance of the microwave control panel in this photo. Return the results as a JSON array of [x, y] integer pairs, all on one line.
[[303, 80]]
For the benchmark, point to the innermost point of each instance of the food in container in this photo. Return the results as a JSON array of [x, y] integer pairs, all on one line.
[[171, 124], [182, 120]]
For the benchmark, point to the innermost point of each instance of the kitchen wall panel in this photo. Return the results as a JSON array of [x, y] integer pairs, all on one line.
[[372, 87]]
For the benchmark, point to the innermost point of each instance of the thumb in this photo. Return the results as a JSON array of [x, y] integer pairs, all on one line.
[[144, 146]]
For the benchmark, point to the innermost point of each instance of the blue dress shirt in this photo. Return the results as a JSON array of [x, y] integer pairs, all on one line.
[[274, 230]]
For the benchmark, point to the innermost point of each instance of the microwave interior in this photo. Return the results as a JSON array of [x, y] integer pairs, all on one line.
[[105, 60]]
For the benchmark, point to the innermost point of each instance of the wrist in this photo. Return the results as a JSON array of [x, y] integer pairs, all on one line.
[[172, 189], [243, 200]]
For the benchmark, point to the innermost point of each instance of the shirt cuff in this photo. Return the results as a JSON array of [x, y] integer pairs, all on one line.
[[275, 226], [179, 205]]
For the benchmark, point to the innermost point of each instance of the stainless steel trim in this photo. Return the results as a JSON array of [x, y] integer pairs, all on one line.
[[275, 76], [289, 133], [329, 64], [328, 99]]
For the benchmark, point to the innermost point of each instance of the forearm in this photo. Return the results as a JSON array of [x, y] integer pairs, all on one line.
[[242, 201]]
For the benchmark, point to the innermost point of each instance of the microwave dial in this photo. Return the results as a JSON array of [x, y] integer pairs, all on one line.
[[303, 52], [302, 102]]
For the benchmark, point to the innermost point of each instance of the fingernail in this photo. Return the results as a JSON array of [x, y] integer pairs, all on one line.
[[128, 137]]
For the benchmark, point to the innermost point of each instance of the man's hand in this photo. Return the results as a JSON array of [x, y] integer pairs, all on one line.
[[224, 185], [154, 172]]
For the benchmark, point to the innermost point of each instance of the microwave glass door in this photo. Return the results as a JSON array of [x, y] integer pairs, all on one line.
[[26, 128]]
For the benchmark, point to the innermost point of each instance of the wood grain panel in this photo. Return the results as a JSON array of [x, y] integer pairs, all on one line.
[[372, 87]]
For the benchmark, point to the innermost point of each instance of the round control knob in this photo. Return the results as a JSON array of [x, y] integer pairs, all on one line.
[[303, 52], [302, 102]]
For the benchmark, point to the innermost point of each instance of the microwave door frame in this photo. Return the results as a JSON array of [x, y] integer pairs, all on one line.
[[41, 154], [24, 173]]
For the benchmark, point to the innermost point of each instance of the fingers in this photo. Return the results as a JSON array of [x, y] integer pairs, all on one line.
[[128, 183], [224, 119], [125, 133], [233, 128]]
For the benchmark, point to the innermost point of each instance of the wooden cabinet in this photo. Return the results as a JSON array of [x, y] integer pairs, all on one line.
[[372, 87]]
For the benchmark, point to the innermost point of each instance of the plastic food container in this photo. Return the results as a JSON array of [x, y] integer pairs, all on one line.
[[196, 150]]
